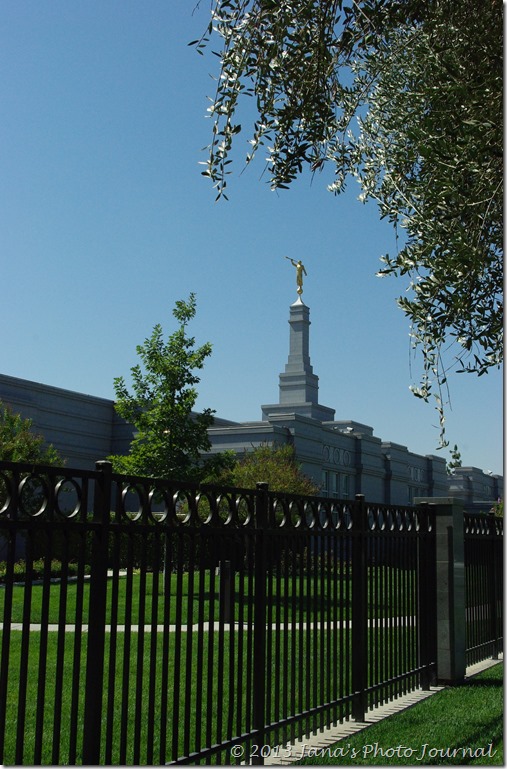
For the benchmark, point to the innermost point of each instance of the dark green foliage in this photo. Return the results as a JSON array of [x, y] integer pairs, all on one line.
[[274, 465], [39, 569], [18, 442]]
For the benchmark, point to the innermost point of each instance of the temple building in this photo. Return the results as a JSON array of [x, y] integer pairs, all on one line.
[[342, 457]]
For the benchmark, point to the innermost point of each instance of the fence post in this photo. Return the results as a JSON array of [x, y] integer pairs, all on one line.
[[426, 593], [450, 588], [97, 616], [259, 643], [359, 609]]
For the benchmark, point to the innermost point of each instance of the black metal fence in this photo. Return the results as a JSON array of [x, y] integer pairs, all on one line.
[[200, 625], [483, 586]]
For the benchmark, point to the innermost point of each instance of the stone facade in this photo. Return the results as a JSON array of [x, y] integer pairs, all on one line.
[[343, 458], [83, 428], [475, 488]]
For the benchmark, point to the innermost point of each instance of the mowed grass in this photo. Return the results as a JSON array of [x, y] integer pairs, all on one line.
[[151, 712], [461, 725], [169, 694], [142, 713], [187, 595], [145, 706], [312, 599], [139, 728]]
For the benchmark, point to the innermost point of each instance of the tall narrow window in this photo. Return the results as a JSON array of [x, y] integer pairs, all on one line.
[[325, 483]]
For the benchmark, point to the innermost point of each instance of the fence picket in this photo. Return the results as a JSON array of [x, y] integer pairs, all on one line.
[[92, 719]]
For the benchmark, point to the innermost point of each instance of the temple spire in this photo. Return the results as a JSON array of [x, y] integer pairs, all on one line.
[[299, 386]]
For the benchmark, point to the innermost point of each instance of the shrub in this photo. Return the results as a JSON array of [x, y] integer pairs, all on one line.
[[39, 569]]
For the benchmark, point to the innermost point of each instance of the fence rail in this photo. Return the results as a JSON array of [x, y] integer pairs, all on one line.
[[196, 624]]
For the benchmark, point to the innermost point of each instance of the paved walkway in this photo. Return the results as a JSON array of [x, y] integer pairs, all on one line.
[[289, 754], [216, 626]]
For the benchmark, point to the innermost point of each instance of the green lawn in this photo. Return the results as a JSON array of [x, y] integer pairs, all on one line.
[[312, 601], [141, 697], [133, 703], [464, 717], [460, 725], [128, 600], [310, 665], [308, 668]]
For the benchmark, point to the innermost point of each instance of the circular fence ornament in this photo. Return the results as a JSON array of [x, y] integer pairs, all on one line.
[[33, 496], [68, 498], [322, 515], [132, 502], [159, 505], [309, 516], [5, 492], [338, 515], [224, 509], [204, 507], [335, 511], [244, 510], [296, 514], [279, 513], [182, 505], [344, 517]]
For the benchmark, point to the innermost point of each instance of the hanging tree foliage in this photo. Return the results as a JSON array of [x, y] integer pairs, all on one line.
[[406, 97]]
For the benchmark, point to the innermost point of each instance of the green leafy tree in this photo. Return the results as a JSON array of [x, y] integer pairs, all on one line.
[[169, 436], [217, 468], [19, 443], [406, 96], [274, 465]]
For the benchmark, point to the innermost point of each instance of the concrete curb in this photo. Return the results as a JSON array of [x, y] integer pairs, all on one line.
[[290, 753]]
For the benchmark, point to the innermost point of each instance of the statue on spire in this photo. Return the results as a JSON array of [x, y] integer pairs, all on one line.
[[300, 271]]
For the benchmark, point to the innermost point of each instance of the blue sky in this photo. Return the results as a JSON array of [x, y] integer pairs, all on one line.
[[106, 221]]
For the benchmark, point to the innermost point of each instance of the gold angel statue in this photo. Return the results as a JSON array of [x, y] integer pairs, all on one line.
[[300, 271]]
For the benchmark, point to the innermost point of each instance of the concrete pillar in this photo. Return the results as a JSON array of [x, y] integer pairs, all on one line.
[[450, 583]]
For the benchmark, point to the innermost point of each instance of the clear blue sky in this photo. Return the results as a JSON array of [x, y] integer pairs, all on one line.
[[105, 221]]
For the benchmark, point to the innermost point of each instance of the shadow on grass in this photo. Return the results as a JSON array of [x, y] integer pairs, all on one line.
[[461, 725], [302, 603]]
